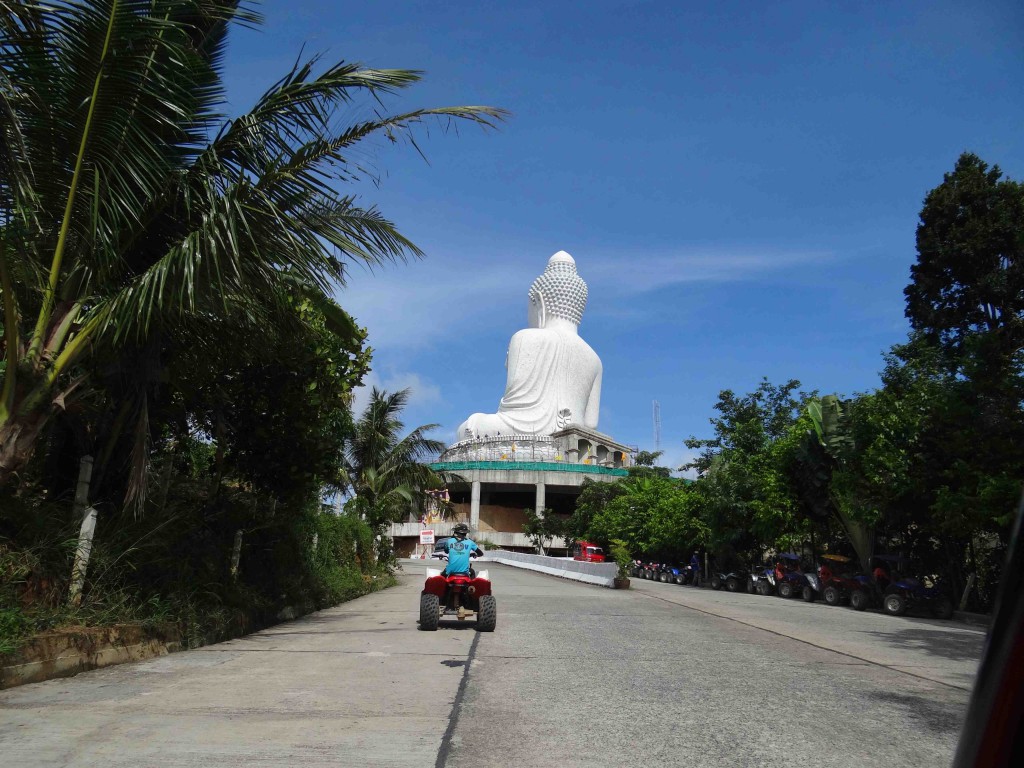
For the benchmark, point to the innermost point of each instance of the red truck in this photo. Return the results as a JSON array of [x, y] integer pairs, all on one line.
[[588, 552]]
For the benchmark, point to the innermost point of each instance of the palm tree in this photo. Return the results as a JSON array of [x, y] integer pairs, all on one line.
[[130, 206], [386, 471]]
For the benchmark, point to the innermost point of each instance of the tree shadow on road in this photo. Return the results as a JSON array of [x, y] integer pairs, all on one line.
[[937, 717], [957, 646]]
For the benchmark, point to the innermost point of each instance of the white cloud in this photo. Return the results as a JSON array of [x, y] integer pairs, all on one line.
[[423, 393], [631, 274], [676, 459], [419, 304]]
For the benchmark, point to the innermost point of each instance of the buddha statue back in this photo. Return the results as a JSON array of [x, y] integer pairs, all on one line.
[[553, 376]]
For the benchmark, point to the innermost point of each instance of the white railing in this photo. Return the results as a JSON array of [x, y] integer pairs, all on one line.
[[602, 574], [502, 448]]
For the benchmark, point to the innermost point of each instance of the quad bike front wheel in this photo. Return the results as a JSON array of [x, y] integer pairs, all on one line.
[[859, 600], [785, 590], [732, 584], [808, 594], [751, 587], [832, 596], [716, 583], [895, 604], [430, 612], [487, 616], [663, 578]]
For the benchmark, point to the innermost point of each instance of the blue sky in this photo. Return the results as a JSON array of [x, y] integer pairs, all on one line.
[[739, 183]]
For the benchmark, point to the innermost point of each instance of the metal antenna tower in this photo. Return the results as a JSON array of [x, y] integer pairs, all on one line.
[[657, 426]]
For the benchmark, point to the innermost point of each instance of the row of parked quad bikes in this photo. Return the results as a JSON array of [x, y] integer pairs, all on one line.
[[836, 581]]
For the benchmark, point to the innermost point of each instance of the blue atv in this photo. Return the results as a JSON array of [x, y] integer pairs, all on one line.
[[912, 592], [668, 574], [897, 593]]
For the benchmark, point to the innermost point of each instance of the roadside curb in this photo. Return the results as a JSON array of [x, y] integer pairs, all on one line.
[[64, 654]]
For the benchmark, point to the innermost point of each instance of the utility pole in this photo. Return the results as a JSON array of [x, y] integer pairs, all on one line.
[[657, 426]]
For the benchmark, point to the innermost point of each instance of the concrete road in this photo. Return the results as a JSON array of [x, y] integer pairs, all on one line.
[[574, 675]]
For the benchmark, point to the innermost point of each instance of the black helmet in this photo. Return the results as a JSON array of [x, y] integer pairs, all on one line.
[[461, 531]]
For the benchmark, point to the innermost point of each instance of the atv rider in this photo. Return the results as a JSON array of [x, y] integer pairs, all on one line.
[[460, 550]]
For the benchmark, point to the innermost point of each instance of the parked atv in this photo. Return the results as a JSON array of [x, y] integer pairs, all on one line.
[[910, 592], [461, 595], [814, 583], [864, 594], [764, 580], [895, 593], [790, 580], [869, 590], [650, 571], [667, 574], [755, 578], [685, 576], [837, 579], [905, 592], [733, 581]]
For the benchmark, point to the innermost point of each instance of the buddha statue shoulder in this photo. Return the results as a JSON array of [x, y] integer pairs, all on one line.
[[553, 376]]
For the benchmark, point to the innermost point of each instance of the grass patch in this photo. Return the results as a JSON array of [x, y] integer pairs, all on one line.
[[313, 560]]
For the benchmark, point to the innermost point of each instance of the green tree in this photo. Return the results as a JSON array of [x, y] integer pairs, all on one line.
[[281, 410], [129, 205], [593, 499], [828, 459], [387, 471], [541, 529], [953, 460], [652, 515], [967, 287], [746, 499], [645, 464], [963, 367], [966, 305], [647, 458]]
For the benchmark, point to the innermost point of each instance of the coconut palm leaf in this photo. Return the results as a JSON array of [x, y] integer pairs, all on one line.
[[386, 470], [130, 206]]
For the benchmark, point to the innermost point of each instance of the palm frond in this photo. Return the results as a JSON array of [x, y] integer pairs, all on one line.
[[131, 210]]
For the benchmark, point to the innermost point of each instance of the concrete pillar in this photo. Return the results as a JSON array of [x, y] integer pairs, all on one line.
[[474, 506], [540, 505]]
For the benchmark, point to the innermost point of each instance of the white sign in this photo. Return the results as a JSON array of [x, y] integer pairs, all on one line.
[[426, 536]]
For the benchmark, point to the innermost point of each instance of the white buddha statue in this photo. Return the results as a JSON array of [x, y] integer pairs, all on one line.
[[554, 377]]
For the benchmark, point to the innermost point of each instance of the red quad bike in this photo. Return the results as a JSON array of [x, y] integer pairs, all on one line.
[[461, 595], [837, 579]]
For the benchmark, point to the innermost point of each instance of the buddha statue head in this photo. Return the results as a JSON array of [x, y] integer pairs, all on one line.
[[558, 293]]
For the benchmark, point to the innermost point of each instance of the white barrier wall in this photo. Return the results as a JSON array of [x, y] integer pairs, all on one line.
[[601, 574]]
